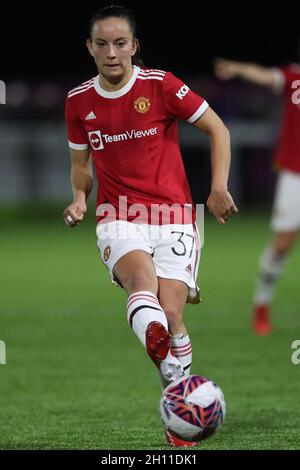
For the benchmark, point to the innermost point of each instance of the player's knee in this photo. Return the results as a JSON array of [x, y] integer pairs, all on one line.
[[140, 280], [283, 247], [282, 250], [174, 317]]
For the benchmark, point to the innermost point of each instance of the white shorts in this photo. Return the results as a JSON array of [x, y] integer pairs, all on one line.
[[286, 209], [175, 248]]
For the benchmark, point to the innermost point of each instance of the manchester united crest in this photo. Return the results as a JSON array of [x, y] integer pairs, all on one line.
[[142, 104], [106, 253]]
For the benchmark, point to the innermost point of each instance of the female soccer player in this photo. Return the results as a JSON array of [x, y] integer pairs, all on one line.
[[286, 211], [126, 117]]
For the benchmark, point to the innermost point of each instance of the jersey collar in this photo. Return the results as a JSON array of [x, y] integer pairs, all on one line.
[[118, 93]]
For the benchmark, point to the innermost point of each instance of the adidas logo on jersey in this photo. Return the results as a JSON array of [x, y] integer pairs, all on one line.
[[90, 116], [189, 269]]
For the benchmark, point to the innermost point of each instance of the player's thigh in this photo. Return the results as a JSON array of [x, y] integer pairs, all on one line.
[[126, 253], [172, 295], [135, 271]]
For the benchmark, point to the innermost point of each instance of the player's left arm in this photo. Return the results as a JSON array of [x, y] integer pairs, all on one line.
[[220, 202]]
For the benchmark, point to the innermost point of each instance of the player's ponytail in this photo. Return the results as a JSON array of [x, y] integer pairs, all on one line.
[[137, 59], [117, 11]]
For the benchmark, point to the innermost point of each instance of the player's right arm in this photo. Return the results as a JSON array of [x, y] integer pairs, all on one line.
[[82, 183], [81, 163], [254, 73]]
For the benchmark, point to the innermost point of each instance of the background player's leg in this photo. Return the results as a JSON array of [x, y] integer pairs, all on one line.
[[136, 273], [272, 263], [172, 295]]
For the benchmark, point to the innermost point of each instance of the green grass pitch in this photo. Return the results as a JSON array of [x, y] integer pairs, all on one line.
[[77, 378]]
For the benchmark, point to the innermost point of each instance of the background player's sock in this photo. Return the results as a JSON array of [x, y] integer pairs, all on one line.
[[143, 308], [270, 268], [182, 349]]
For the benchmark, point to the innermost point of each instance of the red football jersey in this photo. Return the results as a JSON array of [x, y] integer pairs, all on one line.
[[287, 155], [132, 134]]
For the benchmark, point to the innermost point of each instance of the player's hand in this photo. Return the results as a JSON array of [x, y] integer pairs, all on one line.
[[221, 205], [226, 69], [74, 213]]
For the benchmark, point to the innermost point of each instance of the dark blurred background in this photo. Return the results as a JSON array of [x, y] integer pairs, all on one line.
[[68, 349], [43, 55]]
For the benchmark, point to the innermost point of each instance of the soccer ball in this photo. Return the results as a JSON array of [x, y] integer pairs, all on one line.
[[192, 408]]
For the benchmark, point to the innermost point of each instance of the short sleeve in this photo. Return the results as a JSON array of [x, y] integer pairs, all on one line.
[[76, 134], [181, 101]]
